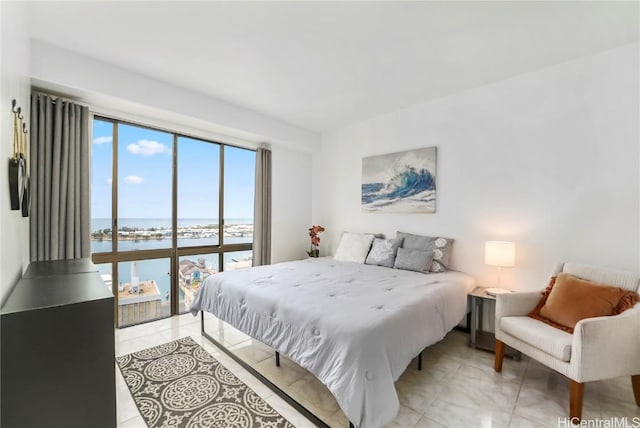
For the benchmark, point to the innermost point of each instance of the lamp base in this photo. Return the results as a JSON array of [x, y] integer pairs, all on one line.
[[492, 291]]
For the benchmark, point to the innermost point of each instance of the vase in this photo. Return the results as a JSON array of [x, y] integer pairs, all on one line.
[[313, 253]]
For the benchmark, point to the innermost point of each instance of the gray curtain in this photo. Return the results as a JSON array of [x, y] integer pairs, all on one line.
[[60, 179], [262, 209]]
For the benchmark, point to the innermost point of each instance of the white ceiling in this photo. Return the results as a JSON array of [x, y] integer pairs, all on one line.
[[321, 65]]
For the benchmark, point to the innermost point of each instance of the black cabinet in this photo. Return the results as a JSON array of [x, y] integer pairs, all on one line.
[[57, 349]]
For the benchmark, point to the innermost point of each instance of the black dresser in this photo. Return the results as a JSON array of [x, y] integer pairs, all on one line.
[[57, 349]]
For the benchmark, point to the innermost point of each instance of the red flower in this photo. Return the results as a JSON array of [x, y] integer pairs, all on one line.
[[315, 239], [314, 230]]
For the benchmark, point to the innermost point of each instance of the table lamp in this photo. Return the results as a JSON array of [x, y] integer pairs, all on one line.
[[501, 254]]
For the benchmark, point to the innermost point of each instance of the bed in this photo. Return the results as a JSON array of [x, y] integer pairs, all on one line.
[[356, 327]]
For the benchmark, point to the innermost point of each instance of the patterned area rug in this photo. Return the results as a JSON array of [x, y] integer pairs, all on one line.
[[178, 384]]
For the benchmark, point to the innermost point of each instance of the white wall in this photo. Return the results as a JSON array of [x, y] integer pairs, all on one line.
[[14, 84], [548, 159], [291, 204], [119, 89]]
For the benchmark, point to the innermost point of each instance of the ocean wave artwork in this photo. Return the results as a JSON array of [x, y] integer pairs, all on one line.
[[402, 182]]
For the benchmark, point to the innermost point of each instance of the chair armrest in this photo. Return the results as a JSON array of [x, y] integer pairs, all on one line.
[[514, 304], [606, 347]]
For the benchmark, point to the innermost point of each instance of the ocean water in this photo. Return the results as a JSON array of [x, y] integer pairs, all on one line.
[[159, 269], [370, 192], [412, 190]]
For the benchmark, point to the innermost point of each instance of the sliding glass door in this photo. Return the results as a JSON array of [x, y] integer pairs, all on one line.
[[180, 210]]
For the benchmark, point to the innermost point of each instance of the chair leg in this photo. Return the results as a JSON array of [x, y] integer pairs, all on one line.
[[499, 357], [277, 359], [635, 383], [576, 394]]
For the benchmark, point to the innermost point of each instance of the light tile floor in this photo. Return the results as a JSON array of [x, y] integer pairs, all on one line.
[[456, 388]]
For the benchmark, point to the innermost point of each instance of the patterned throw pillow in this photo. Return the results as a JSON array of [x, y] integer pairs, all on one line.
[[441, 254], [415, 260], [441, 248], [383, 252]]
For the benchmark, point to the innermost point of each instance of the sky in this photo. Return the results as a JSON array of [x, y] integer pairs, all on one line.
[[144, 175]]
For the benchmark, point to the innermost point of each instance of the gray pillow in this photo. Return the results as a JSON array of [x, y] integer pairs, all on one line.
[[415, 242], [441, 254], [416, 260], [441, 248], [383, 252]]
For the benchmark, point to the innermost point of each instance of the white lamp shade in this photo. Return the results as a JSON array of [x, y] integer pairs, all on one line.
[[499, 253]]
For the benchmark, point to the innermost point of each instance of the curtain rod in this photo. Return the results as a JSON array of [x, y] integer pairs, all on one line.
[[59, 97]]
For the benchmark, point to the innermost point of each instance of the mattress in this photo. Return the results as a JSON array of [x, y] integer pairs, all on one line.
[[356, 327]]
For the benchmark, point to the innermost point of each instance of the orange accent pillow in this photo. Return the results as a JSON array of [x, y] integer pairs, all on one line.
[[535, 313], [570, 299], [543, 300]]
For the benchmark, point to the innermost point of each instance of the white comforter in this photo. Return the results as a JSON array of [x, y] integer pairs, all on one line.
[[355, 326]]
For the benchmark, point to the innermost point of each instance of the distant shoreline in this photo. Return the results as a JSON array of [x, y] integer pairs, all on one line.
[[185, 232]]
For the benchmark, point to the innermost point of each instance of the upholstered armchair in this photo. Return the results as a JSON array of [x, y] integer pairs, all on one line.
[[599, 348]]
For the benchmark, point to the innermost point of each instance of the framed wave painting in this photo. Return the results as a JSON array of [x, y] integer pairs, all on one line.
[[402, 182]]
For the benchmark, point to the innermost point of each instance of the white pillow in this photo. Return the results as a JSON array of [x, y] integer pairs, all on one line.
[[354, 247]]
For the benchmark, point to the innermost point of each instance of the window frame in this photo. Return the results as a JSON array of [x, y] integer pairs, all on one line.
[[173, 252]]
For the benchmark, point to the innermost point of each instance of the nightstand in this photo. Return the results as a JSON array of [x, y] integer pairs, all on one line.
[[478, 338]]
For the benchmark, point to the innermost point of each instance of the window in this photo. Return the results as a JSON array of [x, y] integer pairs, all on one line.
[[198, 191], [101, 187], [179, 210], [144, 188], [239, 188]]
